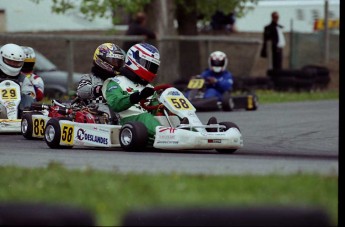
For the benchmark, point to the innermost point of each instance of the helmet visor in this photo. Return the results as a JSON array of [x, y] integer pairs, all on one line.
[[13, 63], [115, 62], [150, 66], [219, 63]]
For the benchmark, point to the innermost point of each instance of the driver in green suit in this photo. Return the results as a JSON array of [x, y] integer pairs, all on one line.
[[124, 92]]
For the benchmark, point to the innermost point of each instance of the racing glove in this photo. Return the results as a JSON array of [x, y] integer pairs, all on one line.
[[97, 91], [137, 96]]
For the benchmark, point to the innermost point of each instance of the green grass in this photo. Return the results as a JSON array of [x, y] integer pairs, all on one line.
[[109, 195], [269, 96]]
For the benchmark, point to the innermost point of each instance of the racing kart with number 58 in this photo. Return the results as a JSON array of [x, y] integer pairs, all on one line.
[[173, 134]]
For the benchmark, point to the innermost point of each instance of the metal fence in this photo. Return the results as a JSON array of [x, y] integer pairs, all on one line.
[[309, 49], [74, 52]]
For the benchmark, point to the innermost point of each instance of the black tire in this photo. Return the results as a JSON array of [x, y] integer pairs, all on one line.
[[52, 133], [228, 125], [133, 136], [227, 102], [192, 94], [16, 213], [26, 126], [209, 104]]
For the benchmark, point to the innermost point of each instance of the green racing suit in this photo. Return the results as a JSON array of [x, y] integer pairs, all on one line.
[[117, 91]]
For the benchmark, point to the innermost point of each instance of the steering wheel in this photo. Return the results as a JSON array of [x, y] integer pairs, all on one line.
[[157, 88]]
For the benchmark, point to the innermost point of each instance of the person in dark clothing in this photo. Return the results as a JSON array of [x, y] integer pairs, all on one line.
[[273, 32], [138, 27], [220, 21]]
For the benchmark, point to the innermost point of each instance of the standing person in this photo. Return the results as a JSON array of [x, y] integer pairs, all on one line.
[[124, 91], [27, 70], [108, 58], [11, 62], [274, 33], [138, 27]]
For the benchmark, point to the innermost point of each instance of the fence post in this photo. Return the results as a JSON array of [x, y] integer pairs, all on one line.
[[326, 34], [70, 66]]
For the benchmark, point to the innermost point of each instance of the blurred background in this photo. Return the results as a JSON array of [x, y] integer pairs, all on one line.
[[68, 32]]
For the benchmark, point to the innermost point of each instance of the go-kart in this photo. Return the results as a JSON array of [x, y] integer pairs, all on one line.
[[173, 107], [34, 120], [195, 93], [10, 98]]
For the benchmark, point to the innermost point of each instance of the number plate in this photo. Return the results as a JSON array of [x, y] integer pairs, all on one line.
[[9, 94], [67, 134], [179, 103], [196, 83], [38, 126]]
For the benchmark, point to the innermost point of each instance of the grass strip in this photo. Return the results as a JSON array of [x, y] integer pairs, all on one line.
[[109, 195], [270, 96]]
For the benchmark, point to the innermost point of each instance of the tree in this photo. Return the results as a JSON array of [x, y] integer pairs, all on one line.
[[108, 8], [161, 14]]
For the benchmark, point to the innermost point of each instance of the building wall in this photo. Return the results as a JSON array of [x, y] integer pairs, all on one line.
[[2, 20]]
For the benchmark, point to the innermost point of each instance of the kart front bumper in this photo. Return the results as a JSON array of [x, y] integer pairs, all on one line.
[[179, 139], [10, 126]]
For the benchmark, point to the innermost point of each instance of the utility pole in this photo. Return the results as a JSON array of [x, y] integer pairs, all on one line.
[[326, 35]]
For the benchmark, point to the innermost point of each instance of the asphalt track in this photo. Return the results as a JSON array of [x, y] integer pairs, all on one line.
[[278, 138]]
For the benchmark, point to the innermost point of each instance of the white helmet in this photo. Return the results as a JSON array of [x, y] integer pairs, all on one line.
[[144, 60], [11, 59], [217, 61]]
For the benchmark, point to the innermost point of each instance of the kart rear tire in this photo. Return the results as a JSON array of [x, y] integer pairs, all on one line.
[[227, 125], [227, 102], [133, 136], [52, 133], [27, 125], [255, 103]]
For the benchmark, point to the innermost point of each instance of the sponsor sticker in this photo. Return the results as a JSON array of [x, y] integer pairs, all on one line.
[[166, 137], [214, 141], [169, 129], [84, 135], [168, 142], [111, 88]]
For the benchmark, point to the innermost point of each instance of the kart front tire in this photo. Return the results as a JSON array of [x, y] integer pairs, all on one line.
[[228, 125], [227, 102], [27, 125], [133, 136], [52, 133]]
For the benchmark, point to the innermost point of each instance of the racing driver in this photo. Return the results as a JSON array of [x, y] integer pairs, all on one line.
[[219, 79], [108, 58], [11, 62], [124, 91]]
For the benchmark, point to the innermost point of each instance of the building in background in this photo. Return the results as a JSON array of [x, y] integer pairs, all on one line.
[[301, 16], [27, 16]]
